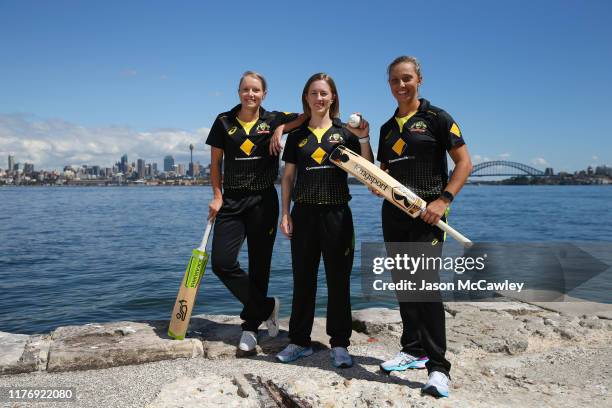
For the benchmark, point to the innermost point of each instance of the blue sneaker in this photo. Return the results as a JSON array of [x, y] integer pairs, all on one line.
[[292, 352], [340, 357], [403, 361], [437, 385]]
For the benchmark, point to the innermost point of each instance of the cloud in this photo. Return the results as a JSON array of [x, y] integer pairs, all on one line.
[[54, 143], [215, 94], [504, 155], [595, 157], [477, 158], [539, 161], [129, 72]]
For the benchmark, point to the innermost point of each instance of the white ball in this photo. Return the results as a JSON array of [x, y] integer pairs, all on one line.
[[354, 120]]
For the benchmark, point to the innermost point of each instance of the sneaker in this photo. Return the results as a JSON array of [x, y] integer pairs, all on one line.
[[248, 341], [292, 352], [403, 361], [272, 322], [437, 385], [340, 357]]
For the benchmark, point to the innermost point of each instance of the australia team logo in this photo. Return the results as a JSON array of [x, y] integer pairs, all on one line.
[[335, 138], [418, 126], [263, 128]]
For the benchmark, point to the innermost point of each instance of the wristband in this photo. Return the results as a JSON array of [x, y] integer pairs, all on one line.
[[364, 140], [447, 196]]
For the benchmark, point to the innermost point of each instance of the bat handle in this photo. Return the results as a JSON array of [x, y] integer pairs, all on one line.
[[206, 235], [455, 234]]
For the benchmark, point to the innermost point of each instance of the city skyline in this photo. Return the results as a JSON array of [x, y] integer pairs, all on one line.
[[83, 82]]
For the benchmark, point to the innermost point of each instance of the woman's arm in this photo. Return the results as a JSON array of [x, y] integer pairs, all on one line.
[[463, 168], [275, 141], [216, 158], [287, 183]]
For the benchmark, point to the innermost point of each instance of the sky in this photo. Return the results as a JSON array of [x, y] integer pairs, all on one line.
[[84, 82]]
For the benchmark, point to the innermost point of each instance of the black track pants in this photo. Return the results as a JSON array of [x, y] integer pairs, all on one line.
[[327, 230], [255, 218], [424, 324]]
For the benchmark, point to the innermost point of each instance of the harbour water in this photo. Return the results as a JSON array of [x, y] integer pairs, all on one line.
[[74, 255]]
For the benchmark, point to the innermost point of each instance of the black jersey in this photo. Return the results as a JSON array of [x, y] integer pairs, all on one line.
[[247, 165], [416, 153], [319, 181]]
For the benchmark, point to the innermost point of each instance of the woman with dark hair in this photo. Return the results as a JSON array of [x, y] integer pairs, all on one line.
[[245, 202], [320, 221], [412, 148]]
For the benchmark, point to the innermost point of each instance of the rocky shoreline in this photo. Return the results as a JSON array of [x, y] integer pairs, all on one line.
[[503, 354]]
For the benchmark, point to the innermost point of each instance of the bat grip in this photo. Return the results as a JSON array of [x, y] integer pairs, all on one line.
[[455, 234], [206, 234]]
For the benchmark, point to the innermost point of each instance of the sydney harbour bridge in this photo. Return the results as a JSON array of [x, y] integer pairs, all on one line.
[[505, 168]]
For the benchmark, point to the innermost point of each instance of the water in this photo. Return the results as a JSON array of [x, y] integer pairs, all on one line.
[[95, 254]]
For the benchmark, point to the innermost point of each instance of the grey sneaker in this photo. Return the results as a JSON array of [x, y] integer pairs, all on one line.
[[292, 352], [340, 357], [403, 361], [248, 341], [437, 385], [272, 322]]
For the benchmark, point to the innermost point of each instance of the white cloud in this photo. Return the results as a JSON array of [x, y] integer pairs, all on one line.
[[595, 157], [539, 161], [477, 158], [129, 72], [504, 155], [53, 143]]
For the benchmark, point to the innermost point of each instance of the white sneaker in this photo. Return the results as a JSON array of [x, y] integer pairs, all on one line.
[[248, 341], [437, 385], [272, 322]]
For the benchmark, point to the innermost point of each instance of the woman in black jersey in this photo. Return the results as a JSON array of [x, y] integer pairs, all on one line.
[[245, 202], [412, 148], [320, 221]]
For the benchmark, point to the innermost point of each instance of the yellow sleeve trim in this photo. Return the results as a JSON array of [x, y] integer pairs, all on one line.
[[455, 130]]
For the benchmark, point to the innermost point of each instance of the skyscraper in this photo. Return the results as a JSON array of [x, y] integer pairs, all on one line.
[[140, 168], [191, 161], [181, 170], [168, 163], [123, 167], [11, 162]]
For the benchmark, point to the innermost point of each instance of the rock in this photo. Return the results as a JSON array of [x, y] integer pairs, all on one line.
[[210, 390], [486, 330], [114, 344], [13, 347], [220, 336], [592, 323], [375, 320]]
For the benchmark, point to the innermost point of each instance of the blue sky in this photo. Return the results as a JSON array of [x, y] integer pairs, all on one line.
[[84, 82]]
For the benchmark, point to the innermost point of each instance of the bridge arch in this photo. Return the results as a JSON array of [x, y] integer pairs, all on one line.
[[504, 168]]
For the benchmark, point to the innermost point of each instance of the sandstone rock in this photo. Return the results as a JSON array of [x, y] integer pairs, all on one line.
[[113, 344], [13, 347], [375, 320], [210, 390]]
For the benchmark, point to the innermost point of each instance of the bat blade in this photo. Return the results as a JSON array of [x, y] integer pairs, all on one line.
[[188, 292], [391, 189]]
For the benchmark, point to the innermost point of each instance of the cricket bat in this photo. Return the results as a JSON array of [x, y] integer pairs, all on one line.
[[188, 291], [393, 191]]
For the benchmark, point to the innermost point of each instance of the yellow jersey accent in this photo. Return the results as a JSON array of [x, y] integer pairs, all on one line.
[[455, 130], [319, 155], [232, 130], [402, 121], [399, 147], [318, 132], [247, 147], [247, 126], [303, 142]]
